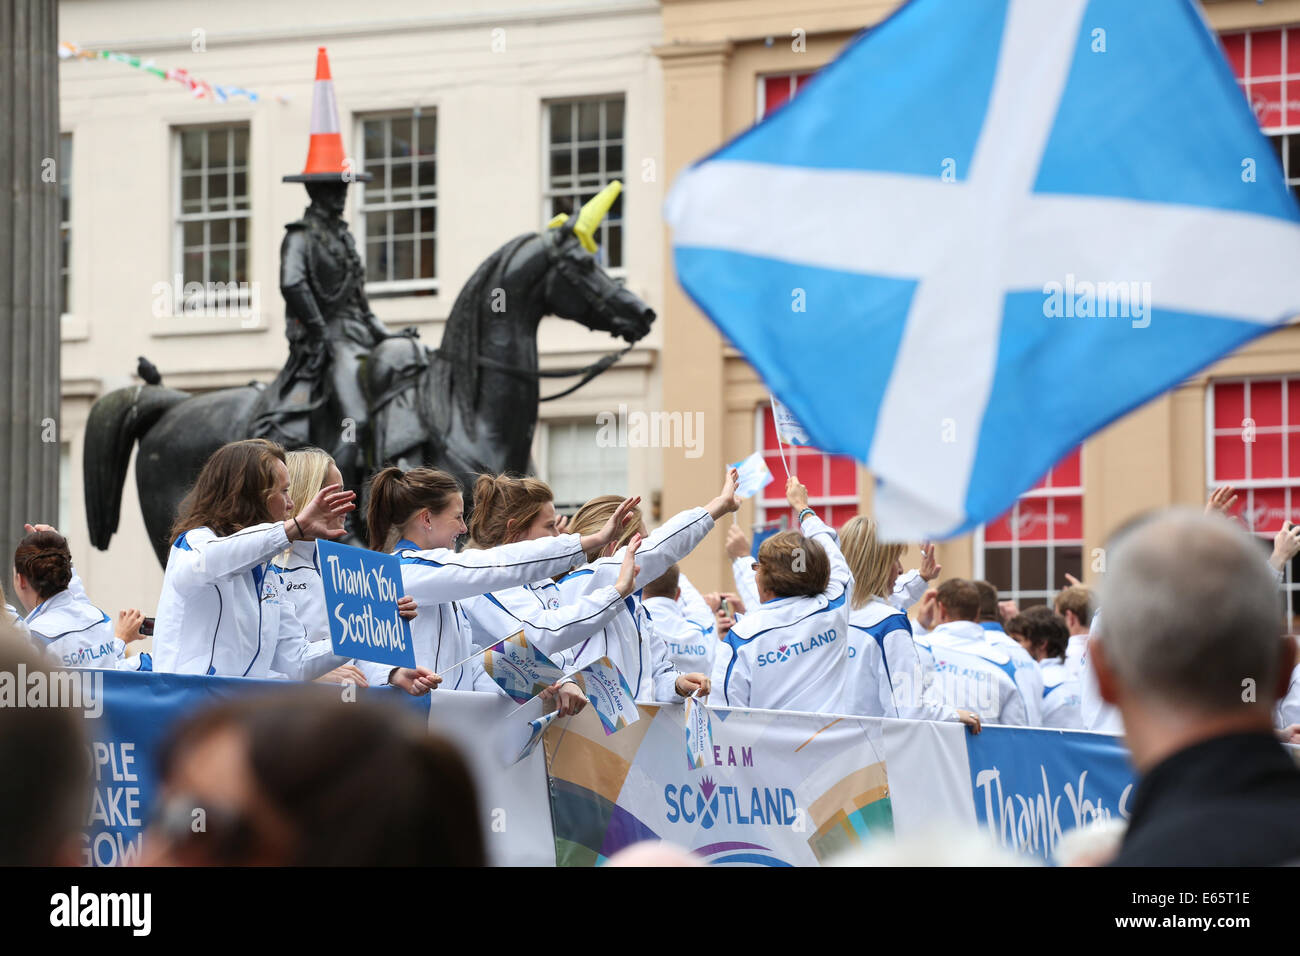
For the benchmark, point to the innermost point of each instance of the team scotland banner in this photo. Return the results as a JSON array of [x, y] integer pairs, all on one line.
[[987, 225], [774, 789]]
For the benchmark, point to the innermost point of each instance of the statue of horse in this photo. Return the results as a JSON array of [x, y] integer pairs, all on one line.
[[468, 407]]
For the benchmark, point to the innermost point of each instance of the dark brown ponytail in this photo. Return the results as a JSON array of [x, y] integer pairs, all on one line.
[[396, 495], [44, 560]]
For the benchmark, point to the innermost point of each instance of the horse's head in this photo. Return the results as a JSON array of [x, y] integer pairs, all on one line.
[[577, 287]]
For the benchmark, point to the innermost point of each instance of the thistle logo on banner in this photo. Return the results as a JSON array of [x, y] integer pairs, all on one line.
[[609, 694], [520, 669]]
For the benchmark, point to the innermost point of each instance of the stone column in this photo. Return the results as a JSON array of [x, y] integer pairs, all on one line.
[[29, 270]]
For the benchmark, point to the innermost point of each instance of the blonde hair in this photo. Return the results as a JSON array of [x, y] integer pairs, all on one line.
[[307, 470], [870, 560], [504, 507], [592, 516]]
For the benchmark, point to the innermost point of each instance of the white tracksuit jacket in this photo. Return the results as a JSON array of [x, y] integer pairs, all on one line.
[[886, 675], [538, 609], [792, 653], [222, 610], [974, 675], [1060, 695], [76, 633], [439, 578], [689, 646], [630, 639], [1028, 677]]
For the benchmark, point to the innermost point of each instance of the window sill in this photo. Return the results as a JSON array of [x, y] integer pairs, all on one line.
[[73, 328], [201, 323]]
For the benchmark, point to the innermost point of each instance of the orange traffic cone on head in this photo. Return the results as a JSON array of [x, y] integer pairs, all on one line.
[[326, 161]]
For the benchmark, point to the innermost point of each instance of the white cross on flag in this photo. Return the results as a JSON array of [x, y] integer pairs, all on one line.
[[987, 230]]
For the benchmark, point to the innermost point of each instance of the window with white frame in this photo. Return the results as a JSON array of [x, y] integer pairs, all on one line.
[[584, 153], [1027, 552], [577, 467], [397, 211], [1267, 66], [775, 89], [1254, 446], [831, 480], [213, 214], [65, 220]]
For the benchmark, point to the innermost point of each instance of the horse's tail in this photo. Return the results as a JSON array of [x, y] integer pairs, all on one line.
[[117, 420]]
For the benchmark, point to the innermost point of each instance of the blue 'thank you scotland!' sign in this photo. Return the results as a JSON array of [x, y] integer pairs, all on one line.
[[361, 592]]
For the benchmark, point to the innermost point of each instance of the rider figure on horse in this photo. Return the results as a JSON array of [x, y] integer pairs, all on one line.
[[327, 316], [317, 398]]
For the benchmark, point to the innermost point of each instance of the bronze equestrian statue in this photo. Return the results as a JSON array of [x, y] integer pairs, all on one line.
[[468, 407], [330, 329]]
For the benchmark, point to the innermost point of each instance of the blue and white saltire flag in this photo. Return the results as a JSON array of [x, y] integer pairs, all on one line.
[[1006, 223]]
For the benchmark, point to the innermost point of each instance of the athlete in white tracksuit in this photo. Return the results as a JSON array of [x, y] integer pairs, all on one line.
[[303, 588], [1060, 695], [1028, 676], [1097, 715], [693, 604], [887, 677], [974, 675], [1288, 708], [223, 610], [538, 609], [689, 645], [76, 633], [16, 619], [630, 639], [791, 653], [439, 578]]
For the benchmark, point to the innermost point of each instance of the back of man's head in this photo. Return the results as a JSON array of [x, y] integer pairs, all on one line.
[[1192, 615], [988, 602], [960, 599], [665, 585], [1076, 599]]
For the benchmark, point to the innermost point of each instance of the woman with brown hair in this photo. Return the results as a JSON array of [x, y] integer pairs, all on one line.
[[222, 610], [629, 640], [60, 618], [509, 509], [791, 652], [418, 515]]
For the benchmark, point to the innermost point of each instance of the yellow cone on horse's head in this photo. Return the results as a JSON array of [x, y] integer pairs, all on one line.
[[593, 212]]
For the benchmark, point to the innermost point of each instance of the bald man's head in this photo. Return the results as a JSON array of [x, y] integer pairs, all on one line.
[[1190, 614]]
